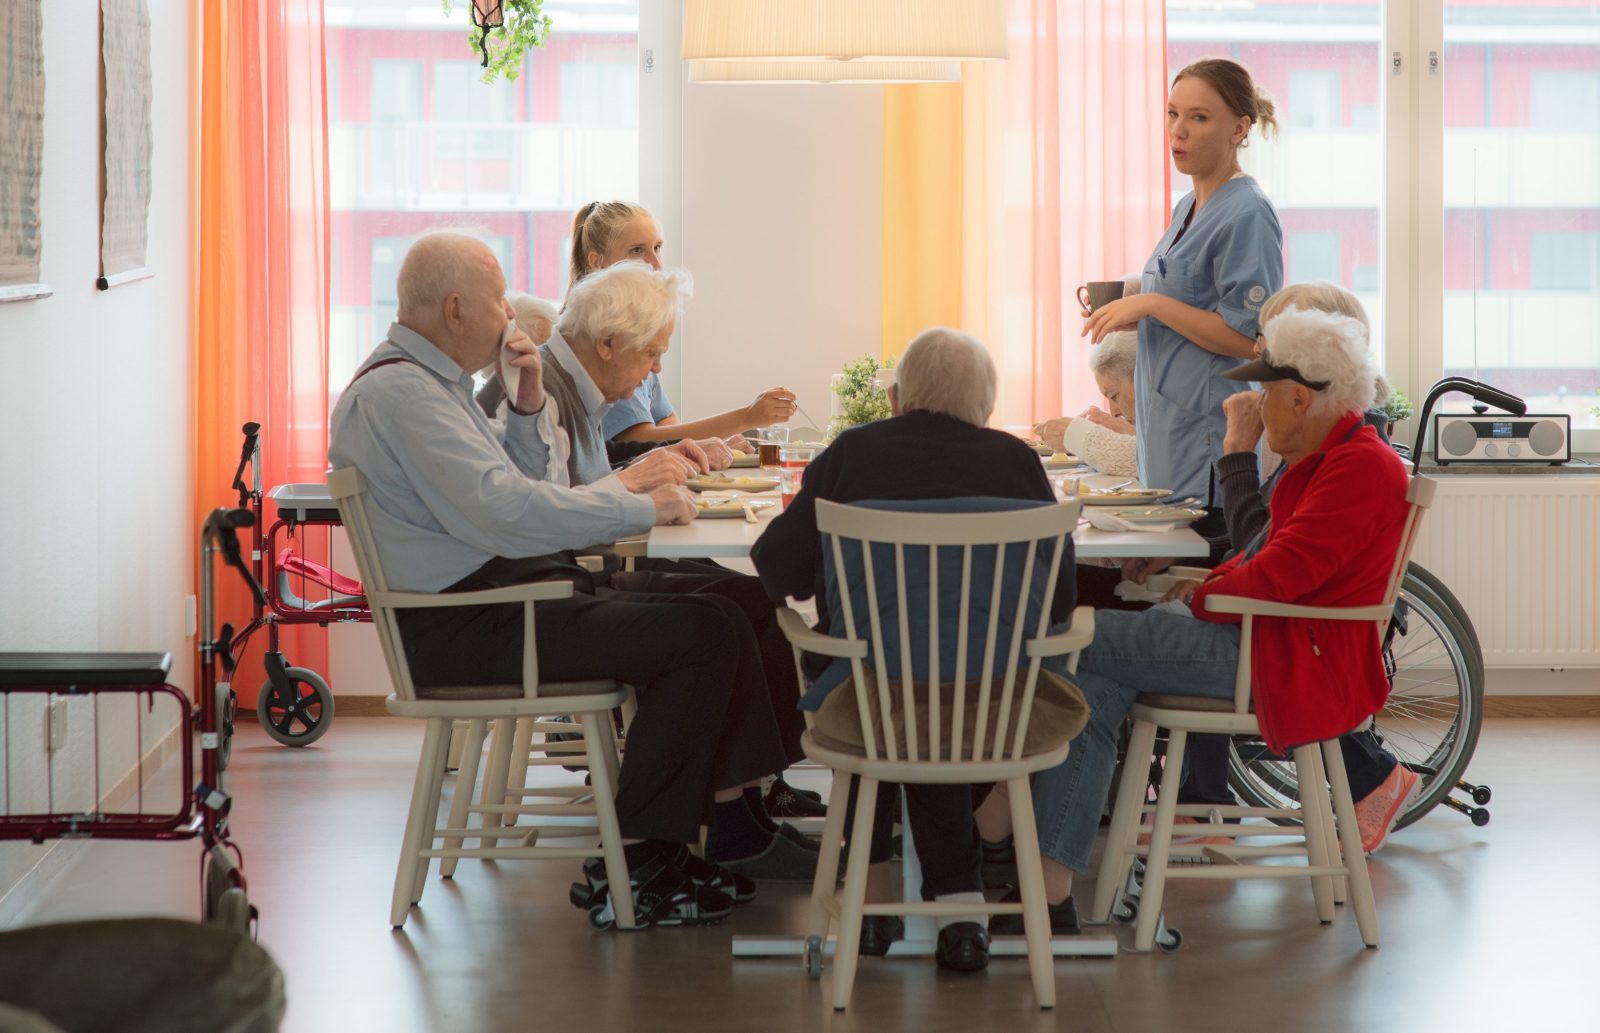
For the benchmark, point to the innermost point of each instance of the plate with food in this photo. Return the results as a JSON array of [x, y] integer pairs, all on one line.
[[1144, 518], [722, 482], [1061, 461], [1120, 496], [728, 509]]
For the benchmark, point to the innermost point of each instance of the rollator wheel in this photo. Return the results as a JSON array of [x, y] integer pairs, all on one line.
[[227, 713], [233, 912], [218, 881], [302, 717]]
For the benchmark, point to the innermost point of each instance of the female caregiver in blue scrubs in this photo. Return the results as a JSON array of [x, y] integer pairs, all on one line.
[[1198, 309]]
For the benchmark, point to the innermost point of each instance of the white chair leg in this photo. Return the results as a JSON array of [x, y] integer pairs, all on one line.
[[824, 882], [1155, 865], [497, 772], [469, 751], [1355, 861], [847, 949], [430, 819], [411, 841], [1313, 798], [1122, 837], [599, 743], [517, 780], [1030, 881]]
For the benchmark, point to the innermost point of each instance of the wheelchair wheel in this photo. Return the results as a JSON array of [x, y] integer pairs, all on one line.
[[1433, 716], [300, 717]]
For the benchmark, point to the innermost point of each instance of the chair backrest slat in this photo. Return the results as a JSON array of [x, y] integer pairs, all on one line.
[[1026, 544]]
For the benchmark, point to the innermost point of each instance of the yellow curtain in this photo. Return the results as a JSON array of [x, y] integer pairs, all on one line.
[[922, 187]]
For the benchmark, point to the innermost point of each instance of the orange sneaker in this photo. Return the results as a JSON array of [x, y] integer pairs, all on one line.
[[1377, 812], [1184, 819]]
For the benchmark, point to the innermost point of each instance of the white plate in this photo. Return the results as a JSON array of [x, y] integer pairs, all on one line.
[[1158, 514], [728, 509], [716, 482], [1122, 497], [1062, 461]]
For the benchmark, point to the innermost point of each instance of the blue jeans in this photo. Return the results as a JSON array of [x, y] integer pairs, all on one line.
[[1134, 651]]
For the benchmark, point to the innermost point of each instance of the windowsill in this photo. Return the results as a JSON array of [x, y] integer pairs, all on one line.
[[1585, 464]]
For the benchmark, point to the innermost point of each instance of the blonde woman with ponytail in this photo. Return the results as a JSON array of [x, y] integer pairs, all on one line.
[[605, 232], [1199, 308]]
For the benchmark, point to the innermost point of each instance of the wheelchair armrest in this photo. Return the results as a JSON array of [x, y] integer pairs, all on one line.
[[1075, 639], [794, 629], [536, 591], [1267, 608]]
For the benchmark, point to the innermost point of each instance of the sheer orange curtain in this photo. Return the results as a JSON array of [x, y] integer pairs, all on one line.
[[262, 261], [1060, 176]]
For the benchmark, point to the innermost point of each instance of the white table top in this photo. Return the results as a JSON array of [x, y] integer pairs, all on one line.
[[722, 538]]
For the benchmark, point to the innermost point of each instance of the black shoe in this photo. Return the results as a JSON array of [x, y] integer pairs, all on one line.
[[738, 888], [785, 801], [999, 864], [663, 894], [1063, 918], [963, 947], [798, 838], [783, 860], [878, 932]]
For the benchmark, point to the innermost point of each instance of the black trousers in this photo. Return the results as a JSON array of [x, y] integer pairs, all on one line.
[[776, 679], [685, 655], [941, 824]]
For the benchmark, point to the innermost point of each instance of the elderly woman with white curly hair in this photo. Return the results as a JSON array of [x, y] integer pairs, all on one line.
[[1336, 519], [1104, 440]]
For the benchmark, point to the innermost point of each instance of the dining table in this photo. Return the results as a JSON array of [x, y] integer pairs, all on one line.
[[731, 538]]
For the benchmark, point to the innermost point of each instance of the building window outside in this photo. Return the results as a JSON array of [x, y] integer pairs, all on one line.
[[417, 142]]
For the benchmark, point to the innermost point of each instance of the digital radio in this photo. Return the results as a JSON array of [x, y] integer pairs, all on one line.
[[1502, 438]]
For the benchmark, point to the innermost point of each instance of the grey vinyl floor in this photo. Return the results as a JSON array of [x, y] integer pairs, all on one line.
[[1490, 928]]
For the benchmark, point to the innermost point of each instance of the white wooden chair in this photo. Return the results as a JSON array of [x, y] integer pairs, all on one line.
[[927, 746], [1319, 770], [590, 702]]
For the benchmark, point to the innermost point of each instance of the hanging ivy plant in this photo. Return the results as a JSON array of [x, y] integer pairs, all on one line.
[[502, 32]]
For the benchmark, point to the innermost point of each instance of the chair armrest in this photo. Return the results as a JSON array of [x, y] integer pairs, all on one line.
[[593, 564], [535, 591], [1267, 608], [1073, 640], [631, 547], [794, 629], [1189, 573]]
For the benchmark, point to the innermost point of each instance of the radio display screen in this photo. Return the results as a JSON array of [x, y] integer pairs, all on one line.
[[1500, 430]]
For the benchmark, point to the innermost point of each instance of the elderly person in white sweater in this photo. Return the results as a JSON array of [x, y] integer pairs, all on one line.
[[1103, 439]]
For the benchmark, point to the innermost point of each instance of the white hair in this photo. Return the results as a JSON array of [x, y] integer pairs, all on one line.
[[1114, 356], [1325, 347], [530, 309], [947, 371], [1133, 283], [628, 302]]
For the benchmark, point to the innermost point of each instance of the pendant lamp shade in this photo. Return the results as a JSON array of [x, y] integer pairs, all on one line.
[[844, 30], [824, 72]]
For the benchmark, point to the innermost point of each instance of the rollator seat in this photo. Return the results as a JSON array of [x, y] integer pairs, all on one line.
[[84, 668], [347, 591]]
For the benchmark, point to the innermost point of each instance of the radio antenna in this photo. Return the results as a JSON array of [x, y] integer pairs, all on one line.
[[1477, 232]]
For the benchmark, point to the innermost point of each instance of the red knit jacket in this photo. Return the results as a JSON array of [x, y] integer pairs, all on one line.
[[1337, 515]]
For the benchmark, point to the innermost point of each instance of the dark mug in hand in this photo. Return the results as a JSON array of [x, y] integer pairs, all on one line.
[[1097, 293]]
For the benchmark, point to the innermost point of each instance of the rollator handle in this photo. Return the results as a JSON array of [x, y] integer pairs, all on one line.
[[220, 527], [252, 436]]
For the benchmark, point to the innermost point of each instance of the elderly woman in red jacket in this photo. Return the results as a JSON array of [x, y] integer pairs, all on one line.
[[1335, 524]]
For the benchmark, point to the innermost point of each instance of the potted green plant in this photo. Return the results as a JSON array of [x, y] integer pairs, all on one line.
[[516, 25], [862, 398], [1397, 407]]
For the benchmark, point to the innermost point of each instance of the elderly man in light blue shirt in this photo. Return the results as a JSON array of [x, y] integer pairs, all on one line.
[[453, 510]]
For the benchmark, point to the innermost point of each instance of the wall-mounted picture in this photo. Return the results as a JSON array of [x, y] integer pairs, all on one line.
[[21, 147], [126, 141]]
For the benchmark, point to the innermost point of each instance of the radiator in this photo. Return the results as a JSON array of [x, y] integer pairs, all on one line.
[[1522, 553]]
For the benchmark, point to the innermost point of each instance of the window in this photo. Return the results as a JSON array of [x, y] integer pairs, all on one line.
[[419, 142], [1522, 200], [1314, 255], [1314, 99]]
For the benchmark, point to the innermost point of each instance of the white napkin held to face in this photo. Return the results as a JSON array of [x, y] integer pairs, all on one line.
[[510, 376]]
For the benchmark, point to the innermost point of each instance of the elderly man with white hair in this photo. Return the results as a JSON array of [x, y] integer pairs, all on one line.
[[1336, 518], [453, 510], [935, 446]]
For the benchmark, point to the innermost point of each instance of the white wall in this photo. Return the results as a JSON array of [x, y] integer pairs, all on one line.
[[95, 439]]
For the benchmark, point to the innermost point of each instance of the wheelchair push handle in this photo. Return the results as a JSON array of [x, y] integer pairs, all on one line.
[[252, 441], [221, 528]]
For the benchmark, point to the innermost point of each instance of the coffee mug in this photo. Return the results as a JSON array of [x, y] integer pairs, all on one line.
[[1097, 293]]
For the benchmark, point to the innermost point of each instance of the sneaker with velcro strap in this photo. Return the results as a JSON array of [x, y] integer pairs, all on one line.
[[663, 894]]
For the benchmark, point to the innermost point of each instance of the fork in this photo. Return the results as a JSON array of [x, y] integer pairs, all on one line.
[[1114, 487]]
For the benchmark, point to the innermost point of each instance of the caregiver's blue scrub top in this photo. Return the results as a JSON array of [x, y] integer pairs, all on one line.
[[647, 404], [1229, 261]]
